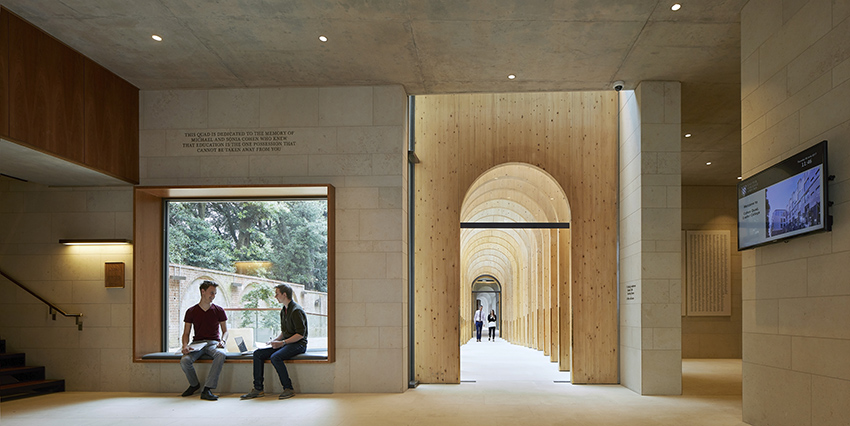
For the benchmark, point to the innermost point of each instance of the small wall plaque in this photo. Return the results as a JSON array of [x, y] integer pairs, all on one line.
[[114, 274]]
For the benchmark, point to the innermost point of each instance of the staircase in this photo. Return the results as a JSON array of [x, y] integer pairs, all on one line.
[[17, 380]]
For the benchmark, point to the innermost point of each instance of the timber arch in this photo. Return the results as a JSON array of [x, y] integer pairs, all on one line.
[[462, 138], [528, 262]]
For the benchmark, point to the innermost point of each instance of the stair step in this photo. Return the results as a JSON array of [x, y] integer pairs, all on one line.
[[10, 375], [19, 380], [19, 369], [31, 388], [13, 360]]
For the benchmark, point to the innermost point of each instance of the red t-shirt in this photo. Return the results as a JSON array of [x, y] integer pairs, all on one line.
[[206, 322]]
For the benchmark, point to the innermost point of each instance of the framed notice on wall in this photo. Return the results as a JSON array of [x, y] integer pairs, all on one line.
[[708, 273]]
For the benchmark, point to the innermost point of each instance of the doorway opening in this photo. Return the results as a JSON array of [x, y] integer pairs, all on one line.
[[515, 257], [487, 293]]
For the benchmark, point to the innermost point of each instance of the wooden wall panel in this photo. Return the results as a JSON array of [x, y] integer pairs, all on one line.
[[552, 302], [46, 92], [544, 285], [573, 137], [4, 72], [111, 123], [593, 294], [437, 250], [535, 302], [147, 269], [564, 302], [332, 273]]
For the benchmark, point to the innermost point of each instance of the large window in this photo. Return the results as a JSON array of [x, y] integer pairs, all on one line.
[[248, 247], [246, 239]]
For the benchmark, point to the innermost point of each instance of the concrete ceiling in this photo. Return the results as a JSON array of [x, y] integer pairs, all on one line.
[[428, 46]]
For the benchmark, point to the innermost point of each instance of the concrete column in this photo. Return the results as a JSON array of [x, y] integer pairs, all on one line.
[[650, 239]]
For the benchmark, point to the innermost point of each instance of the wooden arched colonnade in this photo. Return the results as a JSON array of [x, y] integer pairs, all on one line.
[[528, 262], [466, 144]]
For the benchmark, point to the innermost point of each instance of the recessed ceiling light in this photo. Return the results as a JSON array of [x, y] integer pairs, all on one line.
[[323, 38], [740, 178], [511, 76], [687, 135], [156, 37], [676, 7], [708, 163]]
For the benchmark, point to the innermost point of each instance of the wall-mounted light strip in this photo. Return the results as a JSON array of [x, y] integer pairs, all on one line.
[[94, 242]]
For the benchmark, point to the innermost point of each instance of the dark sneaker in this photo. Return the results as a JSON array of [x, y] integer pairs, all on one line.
[[208, 395], [191, 390], [253, 394], [287, 393]]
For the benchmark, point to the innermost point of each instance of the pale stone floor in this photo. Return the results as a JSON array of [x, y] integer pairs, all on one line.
[[502, 384]]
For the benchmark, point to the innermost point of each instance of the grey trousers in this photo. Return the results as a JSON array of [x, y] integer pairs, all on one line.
[[187, 363]]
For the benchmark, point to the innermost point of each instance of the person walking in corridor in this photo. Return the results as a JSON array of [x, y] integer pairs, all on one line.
[[479, 322], [491, 323]]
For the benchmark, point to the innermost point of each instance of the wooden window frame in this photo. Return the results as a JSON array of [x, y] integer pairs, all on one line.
[[148, 222]]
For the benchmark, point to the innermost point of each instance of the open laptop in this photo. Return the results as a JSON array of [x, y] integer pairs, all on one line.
[[243, 349]]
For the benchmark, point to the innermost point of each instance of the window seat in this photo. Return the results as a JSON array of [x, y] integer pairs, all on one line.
[[311, 355]]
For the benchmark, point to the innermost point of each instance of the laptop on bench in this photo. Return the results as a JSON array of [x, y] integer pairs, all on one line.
[[243, 349]]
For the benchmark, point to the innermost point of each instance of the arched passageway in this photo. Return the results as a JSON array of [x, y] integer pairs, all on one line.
[[514, 222], [487, 292], [462, 142]]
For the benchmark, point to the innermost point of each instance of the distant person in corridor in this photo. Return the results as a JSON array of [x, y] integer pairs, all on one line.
[[206, 318], [479, 322], [491, 320]]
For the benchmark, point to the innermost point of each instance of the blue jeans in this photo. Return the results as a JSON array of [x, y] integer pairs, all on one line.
[[277, 356], [187, 364], [478, 325]]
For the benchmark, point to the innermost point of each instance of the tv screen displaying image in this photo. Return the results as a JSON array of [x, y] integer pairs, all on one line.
[[785, 200]]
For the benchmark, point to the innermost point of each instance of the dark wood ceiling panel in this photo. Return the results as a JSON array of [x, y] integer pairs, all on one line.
[[4, 72], [111, 123], [45, 92]]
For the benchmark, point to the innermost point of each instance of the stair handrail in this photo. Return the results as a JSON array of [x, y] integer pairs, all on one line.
[[78, 318]]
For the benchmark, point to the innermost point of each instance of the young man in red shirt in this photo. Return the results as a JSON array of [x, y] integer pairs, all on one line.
[[206, 318]]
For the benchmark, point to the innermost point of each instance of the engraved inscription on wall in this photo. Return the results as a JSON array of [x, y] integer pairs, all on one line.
[[238, 141], [708, 273]]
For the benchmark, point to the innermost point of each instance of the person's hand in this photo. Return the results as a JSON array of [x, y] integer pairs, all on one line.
[[185, 349], [277, 344], [221, 344]]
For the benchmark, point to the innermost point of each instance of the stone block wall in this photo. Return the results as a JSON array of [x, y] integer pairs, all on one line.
[[650, 239], [795, 92], [354, 138]]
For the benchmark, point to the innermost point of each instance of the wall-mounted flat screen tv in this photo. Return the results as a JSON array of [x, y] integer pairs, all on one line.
[[786, 200]]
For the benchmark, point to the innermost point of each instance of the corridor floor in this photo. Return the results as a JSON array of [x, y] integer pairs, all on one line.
[[490, 362], [502, 384]]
